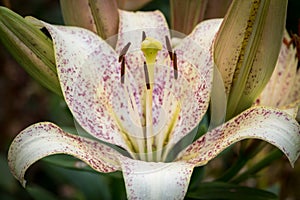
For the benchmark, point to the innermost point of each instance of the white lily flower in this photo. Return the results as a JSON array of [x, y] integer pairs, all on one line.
[[143, 97]]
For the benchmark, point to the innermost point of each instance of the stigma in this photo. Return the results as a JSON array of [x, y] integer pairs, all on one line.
[[150, 48]]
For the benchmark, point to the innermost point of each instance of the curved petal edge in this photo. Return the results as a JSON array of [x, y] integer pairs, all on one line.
[[44, 139]]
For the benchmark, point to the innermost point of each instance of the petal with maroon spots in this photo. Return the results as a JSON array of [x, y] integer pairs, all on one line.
[[280, 85], [271, 125], [132, 25], [149, 180], [195, 72], [88, 71], [44, 139]]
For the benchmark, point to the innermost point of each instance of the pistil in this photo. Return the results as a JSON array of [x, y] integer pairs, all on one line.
[[150, 48]]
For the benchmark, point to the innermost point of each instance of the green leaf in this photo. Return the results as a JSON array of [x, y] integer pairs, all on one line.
[[39, 193], [226, 191], [70, 162]]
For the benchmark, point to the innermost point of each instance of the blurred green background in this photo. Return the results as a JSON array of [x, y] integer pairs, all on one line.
[[24, 102]]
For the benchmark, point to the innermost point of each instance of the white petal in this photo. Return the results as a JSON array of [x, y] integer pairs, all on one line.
[[89, 74], [132, 25], [271, 125], [277, 91], [195, 63], [152, 181], [44, 139]]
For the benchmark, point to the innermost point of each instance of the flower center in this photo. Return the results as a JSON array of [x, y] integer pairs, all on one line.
[[150, 47], [156, 125]]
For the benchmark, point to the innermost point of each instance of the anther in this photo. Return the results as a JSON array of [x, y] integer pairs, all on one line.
[[175, 65], [124, 51], [143, 36], [146, 76], [122, 60], [123, 71], [169, 48]]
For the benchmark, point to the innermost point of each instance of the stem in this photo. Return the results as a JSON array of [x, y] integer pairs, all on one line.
[[272, 156], [244, 157]]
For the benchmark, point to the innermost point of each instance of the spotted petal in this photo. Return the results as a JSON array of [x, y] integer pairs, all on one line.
[[195, 58], [281, 84], [271, 125], [88, 72], [44, 139], [132, 25], [149, 180]]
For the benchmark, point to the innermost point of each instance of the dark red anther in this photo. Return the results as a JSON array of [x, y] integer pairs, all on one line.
[[123, 71], [143, 36], [175, 65], [124, 51], [122, 60], [169, 47], [146, 76]]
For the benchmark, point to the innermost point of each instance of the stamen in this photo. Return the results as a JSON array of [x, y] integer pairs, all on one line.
[[169, 47], [146, 76], [144, 36], [175, 65], [122, 60], [123, 70], [124, 51]]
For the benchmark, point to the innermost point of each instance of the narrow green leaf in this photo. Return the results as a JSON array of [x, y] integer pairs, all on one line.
[[226, 191]]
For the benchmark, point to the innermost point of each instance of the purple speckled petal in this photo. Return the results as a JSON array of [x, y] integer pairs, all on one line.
[[89, 74], [294, 95], [276, 92], [132, 25], [195, 67], [149, 180], [44, 139], [271, 125]]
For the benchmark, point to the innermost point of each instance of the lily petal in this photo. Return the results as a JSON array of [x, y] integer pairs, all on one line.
[[276, 92], [88, 71], [195, 54], [132, 25], [44, 139], [149, 180], [271, 125]]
